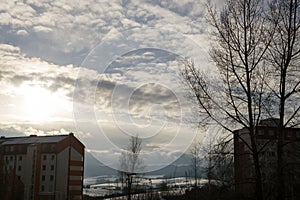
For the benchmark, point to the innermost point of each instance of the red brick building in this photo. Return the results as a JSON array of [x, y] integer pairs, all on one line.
[[266, 140], [41, 167]]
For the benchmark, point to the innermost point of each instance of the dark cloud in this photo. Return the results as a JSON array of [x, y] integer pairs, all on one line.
[[144, 55], [151, 94], [17, 80], [184, 8]]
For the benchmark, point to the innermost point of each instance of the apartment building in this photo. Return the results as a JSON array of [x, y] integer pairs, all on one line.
[[41, 167], [266, 140]]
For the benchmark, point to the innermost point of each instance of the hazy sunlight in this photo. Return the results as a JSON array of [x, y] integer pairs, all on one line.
[[39, 104]]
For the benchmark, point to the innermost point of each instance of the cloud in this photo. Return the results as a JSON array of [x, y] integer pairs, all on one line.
[[149, 101], [11, 131], [157, 152], [17, 130], [21, 76], [43, 44], [22, 32], [43, 29], [17, 68], [61, 31], [6, 49], [140, 86]]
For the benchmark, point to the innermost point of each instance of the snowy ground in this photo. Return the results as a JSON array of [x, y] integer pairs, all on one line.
[[102, 185]]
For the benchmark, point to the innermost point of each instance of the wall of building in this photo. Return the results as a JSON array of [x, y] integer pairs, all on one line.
[[48, 174], [62, 164], [42, 170], [266, 140], [76, 174], [30, 169]]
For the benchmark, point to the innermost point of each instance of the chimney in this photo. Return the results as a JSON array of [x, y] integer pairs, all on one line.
[[32, 135]]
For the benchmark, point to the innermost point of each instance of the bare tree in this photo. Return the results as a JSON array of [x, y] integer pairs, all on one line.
[[220, 161], [239, 98], [208, 148], [131, 163], [284, 57], [195, 153]]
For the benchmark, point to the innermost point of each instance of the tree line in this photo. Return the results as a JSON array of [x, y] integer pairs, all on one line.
[[256, 50]]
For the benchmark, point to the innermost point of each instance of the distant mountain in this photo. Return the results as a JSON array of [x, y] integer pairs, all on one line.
[[93, 167], [180, 167]]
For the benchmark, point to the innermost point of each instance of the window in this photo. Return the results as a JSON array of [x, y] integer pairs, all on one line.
[[43, 178], [20, 158], [21, 148], [43, 188], [52, 167], [298, 134], [273, 154], [19, 168], [270, 153], [271, 133], [11, 158], [45, 148], [289, 134], [19, 177], [52, 147], [44, 157], [52, 157], [51, 178], [260, 132], [50, 188], [44, 167]]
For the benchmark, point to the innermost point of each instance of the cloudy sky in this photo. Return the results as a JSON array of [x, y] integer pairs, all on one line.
[[105, 70]]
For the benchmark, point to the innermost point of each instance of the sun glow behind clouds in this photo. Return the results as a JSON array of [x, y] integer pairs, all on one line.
[[39, 104]]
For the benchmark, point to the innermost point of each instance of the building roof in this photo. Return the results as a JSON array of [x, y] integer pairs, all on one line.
[[33, 139], [270, 122]]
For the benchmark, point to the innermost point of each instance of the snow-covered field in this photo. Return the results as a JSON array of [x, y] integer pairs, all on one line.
[[108, 185]]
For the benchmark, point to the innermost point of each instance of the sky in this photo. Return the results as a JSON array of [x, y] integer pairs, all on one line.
[[104, 70]]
